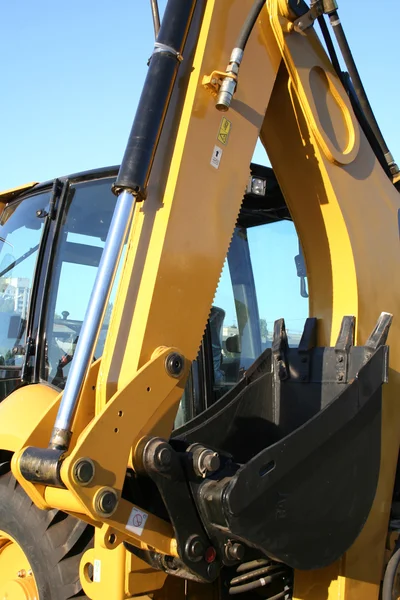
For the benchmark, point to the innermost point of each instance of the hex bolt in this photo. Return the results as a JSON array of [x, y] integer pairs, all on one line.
[[212, 570], [208, 462], [211, 462], [174, 364], [21, 573], [163, 457], [195, 548], [205, 460], [83, 471], [234, 551], [106, 501]]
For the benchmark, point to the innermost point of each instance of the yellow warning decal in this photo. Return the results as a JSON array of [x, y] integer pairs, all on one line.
[[224, 131]]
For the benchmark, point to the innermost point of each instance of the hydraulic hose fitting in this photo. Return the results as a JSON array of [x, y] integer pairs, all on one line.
[[330, 6], [229, 83], [394, 169]]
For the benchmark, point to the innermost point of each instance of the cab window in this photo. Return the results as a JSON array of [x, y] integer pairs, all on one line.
[[260, 283], [263, 279], [21, 228], [86, 219]]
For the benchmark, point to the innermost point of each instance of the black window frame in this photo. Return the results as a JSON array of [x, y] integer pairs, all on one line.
[[23, 373]]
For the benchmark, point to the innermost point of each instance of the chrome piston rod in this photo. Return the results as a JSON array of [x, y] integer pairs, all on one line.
[[92, 322]]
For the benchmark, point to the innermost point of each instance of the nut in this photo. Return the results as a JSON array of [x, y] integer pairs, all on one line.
[[106, 501], [83, 471], [174, 364], [195, 548]]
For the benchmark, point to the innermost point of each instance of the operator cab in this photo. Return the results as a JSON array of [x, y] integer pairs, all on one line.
[[51, 241]]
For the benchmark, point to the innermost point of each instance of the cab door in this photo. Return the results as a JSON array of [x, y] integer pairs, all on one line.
[[22, 226]]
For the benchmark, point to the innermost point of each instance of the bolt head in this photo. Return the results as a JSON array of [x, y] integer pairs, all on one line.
[[235, 551], [163, 457], [212, 570], [211, 462], [83, 471], [195, 548], [106, 501], [174, 364]]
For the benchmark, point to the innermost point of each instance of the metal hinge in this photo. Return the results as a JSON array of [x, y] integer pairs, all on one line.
[[317, 8], [55, 195], [27, 366]]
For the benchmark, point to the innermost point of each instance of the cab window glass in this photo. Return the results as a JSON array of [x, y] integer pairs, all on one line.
[[280, 279], [263, 279], [21, 226], [81, 240]]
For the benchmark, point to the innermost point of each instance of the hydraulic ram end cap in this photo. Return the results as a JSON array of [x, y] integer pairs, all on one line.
[[42, 465]]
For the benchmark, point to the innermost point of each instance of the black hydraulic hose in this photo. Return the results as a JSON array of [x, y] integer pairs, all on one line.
[[349, 87], [390, 575], [228, 85], [249, 23], [156, 17], [247, 587], [358, 86], [330, 47], [253, 564], [150, 115], [255, 574], [361, 118]]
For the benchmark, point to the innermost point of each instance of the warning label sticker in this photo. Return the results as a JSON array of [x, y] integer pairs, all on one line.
[[216, 157], [224, 131], [97, 571], [137, 521]]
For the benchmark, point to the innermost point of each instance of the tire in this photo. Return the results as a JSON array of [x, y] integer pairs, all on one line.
[[52, 541]]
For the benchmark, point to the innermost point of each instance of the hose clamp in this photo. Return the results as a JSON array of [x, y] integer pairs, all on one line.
[[159, 47]]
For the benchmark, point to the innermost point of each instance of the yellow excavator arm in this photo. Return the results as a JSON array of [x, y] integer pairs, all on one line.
[[307, 515]]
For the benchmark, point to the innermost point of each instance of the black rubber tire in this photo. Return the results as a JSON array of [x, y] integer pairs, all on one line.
[[53, 541]]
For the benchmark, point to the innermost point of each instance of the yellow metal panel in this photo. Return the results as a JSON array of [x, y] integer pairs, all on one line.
[[16, 577], [108, 581], [62, 499], [142, 579], [12, 193], [346, 216], [22, 411], [181, 233], [124, 420]]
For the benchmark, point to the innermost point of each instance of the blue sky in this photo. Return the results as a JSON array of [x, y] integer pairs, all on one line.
[[72, 74]]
